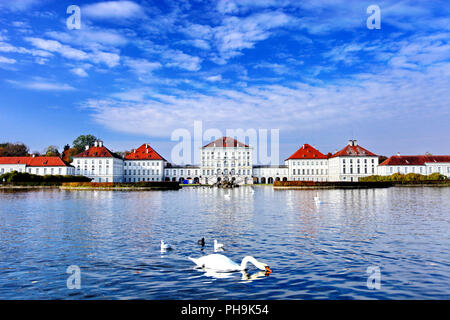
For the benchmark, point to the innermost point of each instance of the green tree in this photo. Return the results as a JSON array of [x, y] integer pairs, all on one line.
[[14, 149], [82, 141], [52, 151]]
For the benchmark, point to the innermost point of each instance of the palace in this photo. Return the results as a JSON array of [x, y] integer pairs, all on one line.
[[227, 159]]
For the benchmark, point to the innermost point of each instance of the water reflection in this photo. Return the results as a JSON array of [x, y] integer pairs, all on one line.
[[245, 276], [318, 251]]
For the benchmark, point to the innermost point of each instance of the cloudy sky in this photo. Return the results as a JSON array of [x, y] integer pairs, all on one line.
[[137, 70]]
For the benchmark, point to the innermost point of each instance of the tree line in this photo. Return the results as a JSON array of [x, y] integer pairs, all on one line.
[[19, 149]]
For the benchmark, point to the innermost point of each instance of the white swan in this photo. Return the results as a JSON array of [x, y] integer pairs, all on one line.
[[218, 246], [317, 199], [165, 246], [221, 263]]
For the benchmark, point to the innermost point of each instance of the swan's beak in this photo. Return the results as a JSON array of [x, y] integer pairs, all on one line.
[[268, 271]]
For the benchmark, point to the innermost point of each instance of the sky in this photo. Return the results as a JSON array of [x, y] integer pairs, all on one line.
[[135, 71]]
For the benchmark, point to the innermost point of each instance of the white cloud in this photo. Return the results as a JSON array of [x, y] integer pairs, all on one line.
[[366, 97], [275, 67], [90, 38], [215, 78], [55, 46], [198, 43], [7, 47], [108, 58], [18, 5], [79, 72], [182, 60], [142, 66], [236, 34], [113, 10], [42, 85], [7, 60]]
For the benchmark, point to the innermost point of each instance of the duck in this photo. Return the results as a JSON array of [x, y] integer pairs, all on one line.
[[165, 246], [201, 242], [227, 196], [221, 263], [218, 246]]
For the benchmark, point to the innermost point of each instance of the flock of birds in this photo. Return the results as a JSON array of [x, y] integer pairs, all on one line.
[[218, 262]]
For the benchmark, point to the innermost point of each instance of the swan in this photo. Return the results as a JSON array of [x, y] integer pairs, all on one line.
[[317, 199], [218, 246], [221, 263], [165, 246]]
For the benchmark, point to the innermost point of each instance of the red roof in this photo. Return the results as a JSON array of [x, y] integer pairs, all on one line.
[[307, 152], [414, 160], [97, 152], [225, 142], [144, 152], [353, 151], [35, 161]]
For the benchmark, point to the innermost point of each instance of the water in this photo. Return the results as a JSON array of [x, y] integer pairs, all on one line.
[[315, 251]]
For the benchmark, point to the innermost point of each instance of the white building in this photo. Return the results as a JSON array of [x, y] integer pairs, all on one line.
[[36, 165], [188, 173], [421, 164], [352, 163], [143, 164], [269, 174], [99, 163], [308, 164], [226, 159]]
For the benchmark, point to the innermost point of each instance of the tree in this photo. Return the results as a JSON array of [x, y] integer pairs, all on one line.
[[123, 154], [52, 151], [68, 154], [381, 159], [82, 141], [14, 149]]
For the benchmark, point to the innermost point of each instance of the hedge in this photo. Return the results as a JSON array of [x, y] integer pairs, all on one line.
[[25, 178], [409, 178]]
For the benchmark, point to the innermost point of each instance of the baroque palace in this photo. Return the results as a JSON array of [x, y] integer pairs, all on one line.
[[227, 159]]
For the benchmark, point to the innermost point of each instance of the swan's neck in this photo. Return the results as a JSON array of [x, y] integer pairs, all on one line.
[[246, 260]]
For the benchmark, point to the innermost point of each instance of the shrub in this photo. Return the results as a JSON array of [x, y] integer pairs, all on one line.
[[406, 178], [23, 178]]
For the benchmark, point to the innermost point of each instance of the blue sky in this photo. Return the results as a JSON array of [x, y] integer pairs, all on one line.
[[137, 70]]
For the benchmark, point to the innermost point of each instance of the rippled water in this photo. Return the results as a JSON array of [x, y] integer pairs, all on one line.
[[315, 251]]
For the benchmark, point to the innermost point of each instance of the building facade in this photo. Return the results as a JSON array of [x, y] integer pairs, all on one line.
[[270, 174], [99, 163], [36, 165], [421, 164], [226, 159], [308, 164], [143, 164], [352, 163]]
